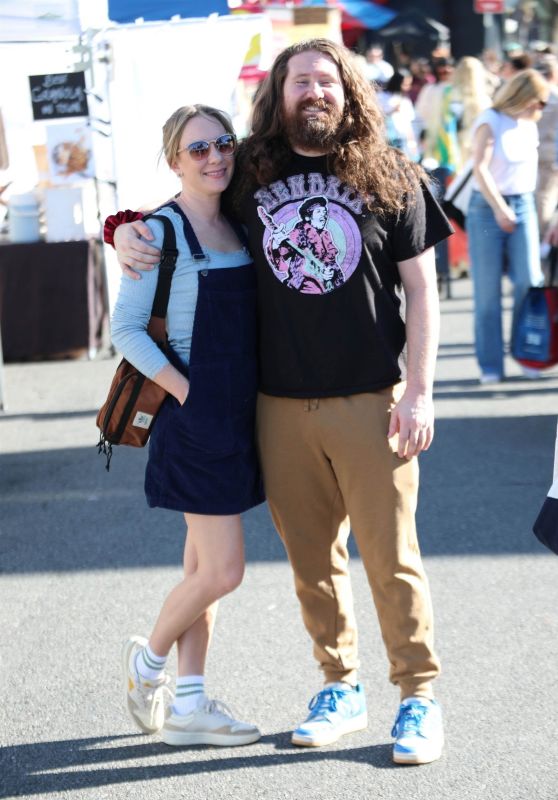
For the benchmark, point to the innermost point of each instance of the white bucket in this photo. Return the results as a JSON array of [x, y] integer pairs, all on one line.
[[23, 210], [64, 214]]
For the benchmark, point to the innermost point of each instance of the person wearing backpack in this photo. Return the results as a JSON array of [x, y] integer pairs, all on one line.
[[202, 457]]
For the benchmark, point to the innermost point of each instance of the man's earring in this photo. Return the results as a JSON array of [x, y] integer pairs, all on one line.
[[180, 174]]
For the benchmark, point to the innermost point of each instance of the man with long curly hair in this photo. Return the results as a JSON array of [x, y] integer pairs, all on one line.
[[346, 372]]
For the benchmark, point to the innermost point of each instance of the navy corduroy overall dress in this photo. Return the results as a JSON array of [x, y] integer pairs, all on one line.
[[202, 455]]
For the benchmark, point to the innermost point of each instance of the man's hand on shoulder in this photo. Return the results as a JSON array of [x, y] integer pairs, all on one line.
[[132, 251]]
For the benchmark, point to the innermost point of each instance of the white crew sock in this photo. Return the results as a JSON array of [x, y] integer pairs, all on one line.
[[189, 693], [149, 665], [417, 699]]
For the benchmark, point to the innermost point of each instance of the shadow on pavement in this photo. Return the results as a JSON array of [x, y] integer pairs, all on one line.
[[72, 764], [40, 416], [482, 484], [512, 388]]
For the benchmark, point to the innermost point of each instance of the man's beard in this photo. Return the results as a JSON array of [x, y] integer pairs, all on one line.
[[312, 133]]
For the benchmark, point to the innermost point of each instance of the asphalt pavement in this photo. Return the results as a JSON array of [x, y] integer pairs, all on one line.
[[84, 563]]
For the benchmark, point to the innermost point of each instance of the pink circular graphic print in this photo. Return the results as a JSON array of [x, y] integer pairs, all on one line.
[[312, 246]]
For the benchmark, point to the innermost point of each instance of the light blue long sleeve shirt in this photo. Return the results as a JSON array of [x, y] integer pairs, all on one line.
[[135, 300]]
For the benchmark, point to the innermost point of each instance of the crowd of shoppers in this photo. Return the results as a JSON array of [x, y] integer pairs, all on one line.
[[497, 117]]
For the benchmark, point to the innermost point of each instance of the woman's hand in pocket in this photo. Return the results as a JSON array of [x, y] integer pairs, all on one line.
[[183, 393], [506, 219], [174, 382]]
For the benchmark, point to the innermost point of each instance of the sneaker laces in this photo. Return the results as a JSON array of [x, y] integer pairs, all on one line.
[[218, 707], [324, 703], [409, 721], [157, 693]]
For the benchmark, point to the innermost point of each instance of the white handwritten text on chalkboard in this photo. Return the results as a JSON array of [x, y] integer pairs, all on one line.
[[57, 96]]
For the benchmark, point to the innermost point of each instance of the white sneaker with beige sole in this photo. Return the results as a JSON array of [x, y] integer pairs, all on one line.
[[211, 722]]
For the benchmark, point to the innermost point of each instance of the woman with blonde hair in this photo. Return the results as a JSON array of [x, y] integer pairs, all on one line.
[[502, 224], [470, 98], [202, 459]]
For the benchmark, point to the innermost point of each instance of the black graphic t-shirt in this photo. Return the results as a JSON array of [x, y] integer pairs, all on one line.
[[329, 290]]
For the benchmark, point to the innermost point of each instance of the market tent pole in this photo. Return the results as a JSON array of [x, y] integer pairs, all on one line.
[[192, 61], [2, 390]]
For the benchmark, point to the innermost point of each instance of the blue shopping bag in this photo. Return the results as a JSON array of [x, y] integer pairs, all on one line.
[[535, 336]]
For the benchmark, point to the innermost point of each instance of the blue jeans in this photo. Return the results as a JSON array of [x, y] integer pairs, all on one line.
[[491, 250]]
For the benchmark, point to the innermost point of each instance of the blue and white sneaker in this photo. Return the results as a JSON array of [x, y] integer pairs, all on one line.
[[418, 732], [336, 710]]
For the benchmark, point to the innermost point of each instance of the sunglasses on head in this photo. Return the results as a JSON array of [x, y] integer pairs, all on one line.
[[225, 145]]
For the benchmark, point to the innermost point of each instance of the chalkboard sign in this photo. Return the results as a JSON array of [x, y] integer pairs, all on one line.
[[58, 96]]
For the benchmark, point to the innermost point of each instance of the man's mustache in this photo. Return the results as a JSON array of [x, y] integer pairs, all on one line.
[[321, 105]]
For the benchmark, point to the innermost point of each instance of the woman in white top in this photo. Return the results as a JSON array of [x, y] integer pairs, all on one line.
[[501, 220], [399, 113]]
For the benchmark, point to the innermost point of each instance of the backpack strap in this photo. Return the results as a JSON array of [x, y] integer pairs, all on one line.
[[552, 265], [156, 327], [191, 238]]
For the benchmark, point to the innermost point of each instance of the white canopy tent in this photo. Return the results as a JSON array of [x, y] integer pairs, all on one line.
[[38, 20], [137, 75], [49, 20], [30, 33], [190, 61]]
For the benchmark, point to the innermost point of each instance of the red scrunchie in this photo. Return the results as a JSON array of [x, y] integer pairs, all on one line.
[[112, 223]]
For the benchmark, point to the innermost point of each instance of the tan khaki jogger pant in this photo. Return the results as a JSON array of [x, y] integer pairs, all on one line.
[[326, 461]]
